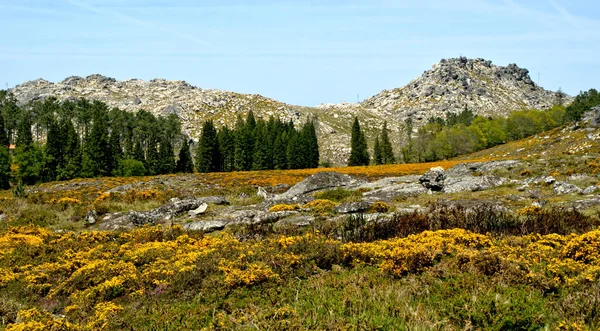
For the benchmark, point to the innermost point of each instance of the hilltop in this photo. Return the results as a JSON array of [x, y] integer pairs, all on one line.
[[448, 87]]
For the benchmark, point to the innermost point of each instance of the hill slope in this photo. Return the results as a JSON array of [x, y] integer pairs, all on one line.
[[448, 87]]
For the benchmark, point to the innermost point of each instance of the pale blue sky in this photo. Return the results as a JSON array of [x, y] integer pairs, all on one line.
[[300, 52]]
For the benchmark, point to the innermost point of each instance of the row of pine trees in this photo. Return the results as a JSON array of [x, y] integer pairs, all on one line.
[[257, 145], [81, 138]]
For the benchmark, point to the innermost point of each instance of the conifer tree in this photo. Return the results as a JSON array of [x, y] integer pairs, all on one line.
[[244, 145], [54, 152], [98, 158], [72, 152], [152, 164], [4, 168], [227, 149], [166, 156], [138, 151], [295, 157], [28, 155], [262, 158], [184, 163], [377, 152], [386, 146], [310, 144], [207, 154], [280, 152], [3, 135], [359, 155], [115, 150]]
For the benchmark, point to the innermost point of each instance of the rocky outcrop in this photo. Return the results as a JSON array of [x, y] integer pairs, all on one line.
[[433, 179], [175, 207], [352, 207], [565, 188], [319, 181]]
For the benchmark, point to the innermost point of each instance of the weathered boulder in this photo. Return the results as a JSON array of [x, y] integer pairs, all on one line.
[[590, 189], [388, 181], [317, 182], [91, 217], [206, 226], [297, 221], [352, 207], [565, 188], [472, 183], [388, 193], [463, 169], [433, 179], [116, 222]]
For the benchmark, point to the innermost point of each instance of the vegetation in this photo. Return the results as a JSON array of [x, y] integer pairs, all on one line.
[[359, 155], [465, 133], [582, 103]]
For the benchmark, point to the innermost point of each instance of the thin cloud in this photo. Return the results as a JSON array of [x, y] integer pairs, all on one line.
[[132, 20]]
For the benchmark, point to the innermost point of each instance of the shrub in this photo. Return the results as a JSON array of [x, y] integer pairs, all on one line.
[[284, 207], [131, 167], [321, 206], [380, 207]]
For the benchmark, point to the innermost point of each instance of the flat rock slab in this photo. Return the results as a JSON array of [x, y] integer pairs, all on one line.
[[388, 193], [470, 168], [471, 183], [319, 181], [352, 207], [206, 226], [390, 181]]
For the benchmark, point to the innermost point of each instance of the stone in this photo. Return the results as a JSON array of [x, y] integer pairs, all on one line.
[[565, 188], [590, 189], [352, 207], [115, 222], [481, 167], [319, 181], [472, 183], [549, 180], [388, 193], [200, 210], [297, 221], [263, 193], [433, 179], [91, 217], [205, 226], [388, 181]]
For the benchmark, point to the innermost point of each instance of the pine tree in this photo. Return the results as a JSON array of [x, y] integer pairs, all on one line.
[[4, 168], [295, 157], [115, 150], [244, 145], [309, 140], [152, 164], [386, 146], [280, 152], [166, 156], [207, 154], [98, 158], [184, 164], [227, 149], [72, 152], [377, 152], [3, 134], [263, 157], [28, 156], [24, 137], [54, 152], [359, 155], [138, 152]]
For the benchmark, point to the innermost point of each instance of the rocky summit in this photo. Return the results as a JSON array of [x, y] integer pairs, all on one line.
[[448, 87]]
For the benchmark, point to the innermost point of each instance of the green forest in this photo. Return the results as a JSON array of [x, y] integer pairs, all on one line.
[[80, 138]]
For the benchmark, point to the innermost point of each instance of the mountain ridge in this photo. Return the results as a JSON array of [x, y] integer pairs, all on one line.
[[448, 87]]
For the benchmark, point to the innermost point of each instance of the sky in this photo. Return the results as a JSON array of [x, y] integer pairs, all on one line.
[[299, 52]]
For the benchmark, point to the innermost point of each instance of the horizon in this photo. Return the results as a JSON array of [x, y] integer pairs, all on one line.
[[347, 52]]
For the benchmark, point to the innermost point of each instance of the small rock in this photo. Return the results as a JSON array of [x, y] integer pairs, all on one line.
[[200, 210], [352, 207], [590, 190], [433, 179], [263, 193], [549, 180], [243, 195], [565, 188], [523, 187], [91, 217]]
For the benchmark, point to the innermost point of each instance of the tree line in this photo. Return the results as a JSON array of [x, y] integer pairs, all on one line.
[[82, 138], [257, 145]]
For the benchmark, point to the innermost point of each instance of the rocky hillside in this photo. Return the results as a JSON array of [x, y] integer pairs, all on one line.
[[449, 86]]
